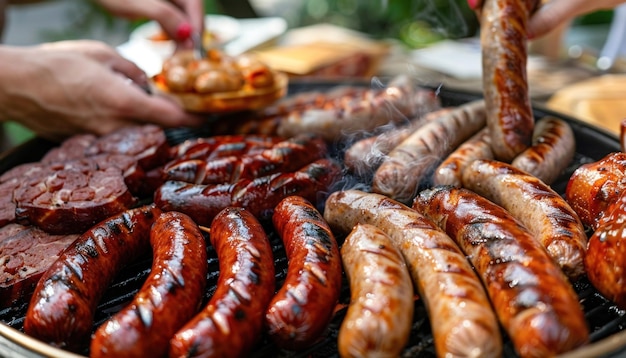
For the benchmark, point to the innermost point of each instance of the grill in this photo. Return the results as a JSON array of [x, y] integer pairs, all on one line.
[[606, 321]]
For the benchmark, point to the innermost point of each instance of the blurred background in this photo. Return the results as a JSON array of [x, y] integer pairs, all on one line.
[[414, 28]]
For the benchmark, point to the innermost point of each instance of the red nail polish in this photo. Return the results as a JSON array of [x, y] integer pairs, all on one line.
[[471, 3], [183, 31]]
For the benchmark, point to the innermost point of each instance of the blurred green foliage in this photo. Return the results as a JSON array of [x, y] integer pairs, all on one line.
[[416, 23]]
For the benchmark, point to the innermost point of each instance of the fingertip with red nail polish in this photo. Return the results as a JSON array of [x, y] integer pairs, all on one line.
[[183, 31]]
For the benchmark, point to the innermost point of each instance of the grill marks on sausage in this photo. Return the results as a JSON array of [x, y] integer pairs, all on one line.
[[532, 297], [232, 320], [303, 307]]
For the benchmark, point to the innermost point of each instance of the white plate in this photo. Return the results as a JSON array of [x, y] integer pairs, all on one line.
[[224, 28]]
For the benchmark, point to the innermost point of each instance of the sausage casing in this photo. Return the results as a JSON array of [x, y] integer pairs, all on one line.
[[231, 322], [303, 307], [380, 313], [543, 211], [533, 299], [169, 297], [461, 317], [62, 309]]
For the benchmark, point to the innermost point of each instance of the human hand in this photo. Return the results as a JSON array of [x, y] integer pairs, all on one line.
[[61, 89], [556, 12], [178, 18]]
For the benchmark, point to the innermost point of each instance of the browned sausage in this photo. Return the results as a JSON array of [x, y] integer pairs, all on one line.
[[533, 299], [622, 135], [594, 186], [401, 173], [231, 323], [170, 296], [461, 317], [450, 171], [503, 41], [285, 156], [260, 196], [365, 155], [380, 313], [606, 254], [303, 307], [552, 150], [62, 308], [542, 210]]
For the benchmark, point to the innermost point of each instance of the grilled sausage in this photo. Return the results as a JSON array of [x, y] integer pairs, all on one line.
[[220, 146], [606, 254], [170, 296], [285, 156], [542, 210], [230, 324], [380, 313], [593, 186], [552, 150], [622, 135], [461, 317], [503, 40], [260, 196], [62, 308], [450, 171], [303, 307], [533, 299], [401, 173], [365, 155]]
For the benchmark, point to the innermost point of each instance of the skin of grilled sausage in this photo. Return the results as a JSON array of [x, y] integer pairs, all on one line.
[[503, 41], [170, 296], [401, 173], [594, 186], [365, 155], [61, 310], [232, 321], [622, 135], [606, 254], [543, 211], [260, 196], [534, 301], [285, 156], [304, 305], [380, 313], [552, 150], [450, 171], [461, 317]]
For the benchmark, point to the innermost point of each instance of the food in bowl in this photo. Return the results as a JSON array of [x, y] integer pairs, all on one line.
[[219, 82]]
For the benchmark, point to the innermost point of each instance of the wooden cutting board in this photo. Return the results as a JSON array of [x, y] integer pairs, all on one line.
[[600, 101]]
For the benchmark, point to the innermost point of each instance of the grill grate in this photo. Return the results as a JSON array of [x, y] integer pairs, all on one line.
[[604, 318]]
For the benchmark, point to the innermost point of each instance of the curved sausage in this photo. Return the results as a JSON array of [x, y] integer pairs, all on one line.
[[606, 254], [260, 196], [450, 171], [303, 307], [401, 173], [220, 146], [230, 324], [552, 150], [367, 154], [533, 299], [461, 317], [285, 156], [170, 296], [594, 186], [503, 40], [380, 313], [62, 308], [542, 210]]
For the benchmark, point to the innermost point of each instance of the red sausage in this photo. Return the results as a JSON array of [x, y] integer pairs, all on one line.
[[231, 323], [260, 196], [503, 40], [62, 308], [534, 301], [170, 296], [303, 307]]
